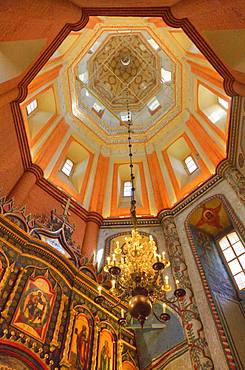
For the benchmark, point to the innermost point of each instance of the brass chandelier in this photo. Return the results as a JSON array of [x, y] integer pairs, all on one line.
[[136, 269]]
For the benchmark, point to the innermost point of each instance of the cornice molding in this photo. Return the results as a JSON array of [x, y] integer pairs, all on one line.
[[127, 222]]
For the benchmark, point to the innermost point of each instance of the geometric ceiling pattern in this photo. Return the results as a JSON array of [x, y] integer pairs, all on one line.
[[148, 80], [125, 68]]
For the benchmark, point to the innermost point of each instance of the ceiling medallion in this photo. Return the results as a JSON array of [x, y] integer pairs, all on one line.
[[136, 268], [125, 61]]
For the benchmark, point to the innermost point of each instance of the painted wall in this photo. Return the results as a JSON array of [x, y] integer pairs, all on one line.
[[210, 329]]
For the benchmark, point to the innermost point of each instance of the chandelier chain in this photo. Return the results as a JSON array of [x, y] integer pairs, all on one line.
[[131, 165]]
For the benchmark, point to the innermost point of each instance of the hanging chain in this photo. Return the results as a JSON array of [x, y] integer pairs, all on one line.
[[131, 165]]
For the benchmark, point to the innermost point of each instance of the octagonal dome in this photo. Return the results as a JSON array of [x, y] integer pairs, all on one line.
[[124, 67], [76, 115], [105, 85]]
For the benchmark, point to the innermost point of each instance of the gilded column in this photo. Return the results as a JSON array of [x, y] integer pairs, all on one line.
[[97, 330], [64, 363], [7, 272], [54, 343], [198, 347], [5, 312]]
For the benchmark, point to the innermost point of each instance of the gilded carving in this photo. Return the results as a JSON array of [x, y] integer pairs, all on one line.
[[65, 364], [5, 312], [54, 343]]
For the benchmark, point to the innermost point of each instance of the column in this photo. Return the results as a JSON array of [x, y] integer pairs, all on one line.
[[91, 235], [198, 347], [24, 185]]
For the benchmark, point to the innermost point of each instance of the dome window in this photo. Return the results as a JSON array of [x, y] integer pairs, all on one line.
[[224, 103], [166, 76], [127, 189], [153, 105], [190, 164], [153, 44], [31, 106], [67, 167], [126, 116]]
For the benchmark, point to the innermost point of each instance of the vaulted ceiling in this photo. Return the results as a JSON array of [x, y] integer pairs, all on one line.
[[176, 102]]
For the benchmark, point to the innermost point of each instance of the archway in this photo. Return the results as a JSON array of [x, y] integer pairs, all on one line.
[[207, 226]]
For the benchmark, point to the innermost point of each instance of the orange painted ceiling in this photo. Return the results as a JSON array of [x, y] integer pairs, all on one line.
[[84, 84]]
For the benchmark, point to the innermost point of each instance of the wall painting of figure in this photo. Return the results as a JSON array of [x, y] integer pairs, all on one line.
[[35, 307], [105, 358], [81, 344], [127, 365]]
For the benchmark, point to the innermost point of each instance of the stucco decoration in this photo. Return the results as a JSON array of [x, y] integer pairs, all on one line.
[[109, 77], [198, 347], [237, 181]]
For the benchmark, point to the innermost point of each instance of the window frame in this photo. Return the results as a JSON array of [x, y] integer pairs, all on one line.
[[72, 168], [225, 260], [186, 166]]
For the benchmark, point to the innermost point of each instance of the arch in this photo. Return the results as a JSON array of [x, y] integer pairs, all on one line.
[[21, 355], [218, 315]]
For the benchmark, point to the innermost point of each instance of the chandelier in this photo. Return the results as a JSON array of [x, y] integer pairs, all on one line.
[[136, 269]]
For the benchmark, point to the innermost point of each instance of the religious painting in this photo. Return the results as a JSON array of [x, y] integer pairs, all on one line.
[[105, 351], [35, 307], [127, 365], [211, 217], [81, 344]]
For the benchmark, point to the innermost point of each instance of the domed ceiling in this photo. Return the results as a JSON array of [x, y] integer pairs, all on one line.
[[115, 67], [104, 81]]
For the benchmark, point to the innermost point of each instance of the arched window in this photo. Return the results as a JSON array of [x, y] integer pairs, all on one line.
[[234, 253], [67, 167], [190, 164], [127, 189]]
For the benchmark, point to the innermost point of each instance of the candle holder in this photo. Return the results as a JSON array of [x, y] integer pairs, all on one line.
[[158, 266], [122, 321], [179, 293], [165, 317], [115, 270]]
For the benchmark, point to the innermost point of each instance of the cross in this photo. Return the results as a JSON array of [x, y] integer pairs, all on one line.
[[66, 207]]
